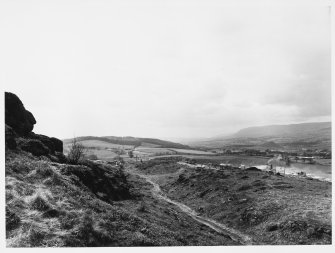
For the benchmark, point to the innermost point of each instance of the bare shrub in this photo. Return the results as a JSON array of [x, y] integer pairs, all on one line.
[[76, 153]]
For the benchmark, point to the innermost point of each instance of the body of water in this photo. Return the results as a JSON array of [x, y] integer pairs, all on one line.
[[322, 172]]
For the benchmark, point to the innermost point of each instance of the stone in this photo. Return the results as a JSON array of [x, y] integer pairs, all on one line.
[[16, 116], [34, 147], [10, 136], [58, 144], [19, 124], [53, 144]]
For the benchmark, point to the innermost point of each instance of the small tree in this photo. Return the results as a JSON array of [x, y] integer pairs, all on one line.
[[76, 153], [130, 154]]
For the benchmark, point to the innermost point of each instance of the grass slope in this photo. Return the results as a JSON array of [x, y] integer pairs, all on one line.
[[288, 137], [131, 141], [272, 209], [92, 204]]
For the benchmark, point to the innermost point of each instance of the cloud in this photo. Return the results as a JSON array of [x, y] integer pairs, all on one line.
[[166, 69]]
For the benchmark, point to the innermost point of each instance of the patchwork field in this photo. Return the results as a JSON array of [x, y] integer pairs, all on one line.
[[102, 154], [103, 150], [106, 150], [147, 151], [155, 151], [192, 151], [100, 144]]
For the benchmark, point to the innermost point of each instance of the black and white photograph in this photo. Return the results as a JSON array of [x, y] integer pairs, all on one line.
[[164, 123]]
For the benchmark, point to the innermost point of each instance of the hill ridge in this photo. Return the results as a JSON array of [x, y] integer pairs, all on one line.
[[129, 140], [292, 136]]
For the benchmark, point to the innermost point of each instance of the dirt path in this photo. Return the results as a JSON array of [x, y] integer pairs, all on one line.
[[235, 235]]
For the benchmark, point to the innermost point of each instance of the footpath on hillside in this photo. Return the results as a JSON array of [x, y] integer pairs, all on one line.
[[250, 206]]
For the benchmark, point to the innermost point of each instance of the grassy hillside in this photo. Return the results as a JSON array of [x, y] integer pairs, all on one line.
[[272, 209], [107, 148], [52, 204], [289, 137], [92, 204], [131, 141], [320, 129], [103, 150], [53, 200]]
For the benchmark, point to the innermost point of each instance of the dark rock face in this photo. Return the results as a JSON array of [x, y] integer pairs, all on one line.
[[45, 140], [52, 143], [35, 147], [18, 131], [58, 144], [10, 136], [16, 116]]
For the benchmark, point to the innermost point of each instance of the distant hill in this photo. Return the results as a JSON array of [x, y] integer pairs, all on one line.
[[294, 130], [270, 145], [133, 141], [293, 136]]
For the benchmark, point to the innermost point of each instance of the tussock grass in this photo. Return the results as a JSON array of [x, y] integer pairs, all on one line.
[[12, 220], [42, 170], [142, 207], [48, 209], [53, 207], [54, 180], [39, 203], [35, 235], [20, 166], [244, 187]]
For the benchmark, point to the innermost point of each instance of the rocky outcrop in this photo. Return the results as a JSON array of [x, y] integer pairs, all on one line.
[[58, 144], [19, 124], [54, 144], [16, 116], [10, 136], [35, 147]]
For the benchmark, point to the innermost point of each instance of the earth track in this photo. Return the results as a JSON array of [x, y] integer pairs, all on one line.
[[231, 233]]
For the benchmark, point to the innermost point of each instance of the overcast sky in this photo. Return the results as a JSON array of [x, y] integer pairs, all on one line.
[[165, 68]]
